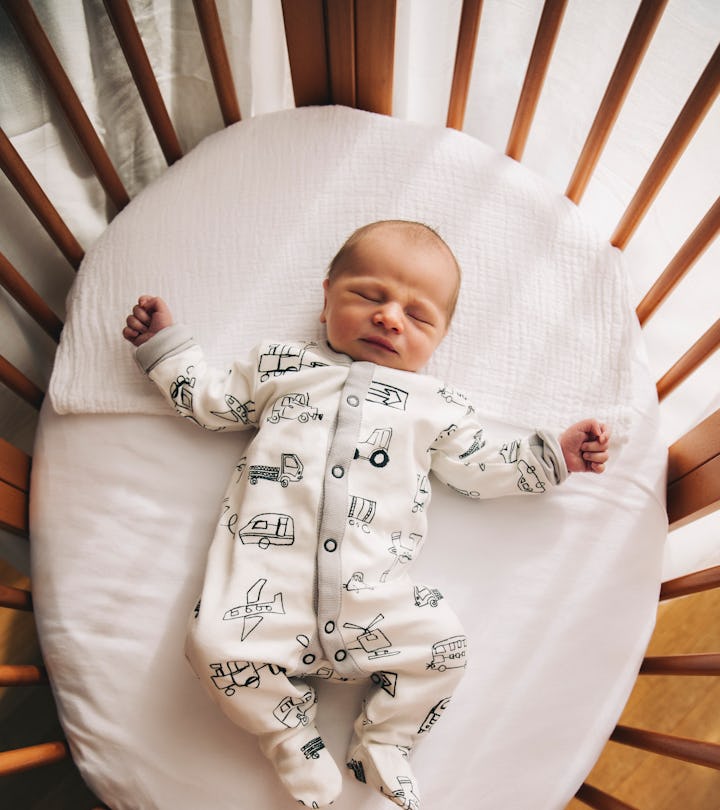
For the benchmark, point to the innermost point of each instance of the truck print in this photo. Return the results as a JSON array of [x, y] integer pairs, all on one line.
[[293, 406], [268, 529], [281, 358], [290, 469]]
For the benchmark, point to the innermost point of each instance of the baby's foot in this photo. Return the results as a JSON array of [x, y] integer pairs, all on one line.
[[306, 769], [387, 769]]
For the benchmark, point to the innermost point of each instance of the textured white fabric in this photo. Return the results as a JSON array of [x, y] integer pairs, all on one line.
[[238, 234]]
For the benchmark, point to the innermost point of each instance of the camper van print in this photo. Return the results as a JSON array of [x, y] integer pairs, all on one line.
[[291, 711], [268, 529], [282, 358]]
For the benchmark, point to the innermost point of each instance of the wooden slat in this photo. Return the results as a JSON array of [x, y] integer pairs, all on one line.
[[694, 472], [548, 29], [22, 675], [691, 664], [34, 756], [340, 22], [15, 598], [599, 800], [214, 42], [464, 57], [13, 510], [307, 51], [693, 247], [16, 381], [694, 357], [697, 582], [29, 189], [131, 43], [375, 54], [701, 99], [28, 299], [14, 466], [698, 752], [28, 26], [641, 32]]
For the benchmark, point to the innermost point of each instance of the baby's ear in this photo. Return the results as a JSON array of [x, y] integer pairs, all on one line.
[[326, 284]]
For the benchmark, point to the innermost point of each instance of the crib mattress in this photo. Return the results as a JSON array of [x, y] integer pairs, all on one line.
[[557, 593]]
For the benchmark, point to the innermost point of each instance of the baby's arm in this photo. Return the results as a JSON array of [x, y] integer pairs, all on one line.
[[148, 317], [585, 446]]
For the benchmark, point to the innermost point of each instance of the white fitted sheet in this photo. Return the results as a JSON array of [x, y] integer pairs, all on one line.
[[558, 593]]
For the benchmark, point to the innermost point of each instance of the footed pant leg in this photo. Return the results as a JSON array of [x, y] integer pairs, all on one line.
[[280, 711], [418, 660]]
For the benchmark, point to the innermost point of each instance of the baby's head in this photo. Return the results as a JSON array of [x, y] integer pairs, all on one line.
[[390, 294]]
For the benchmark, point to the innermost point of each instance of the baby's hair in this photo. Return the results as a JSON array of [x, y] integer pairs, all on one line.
[[415, 230]]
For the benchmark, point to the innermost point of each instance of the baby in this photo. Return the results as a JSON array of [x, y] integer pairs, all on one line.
[[307, 574]]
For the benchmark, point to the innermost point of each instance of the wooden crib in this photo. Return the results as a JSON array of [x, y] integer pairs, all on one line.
[[342, 52]]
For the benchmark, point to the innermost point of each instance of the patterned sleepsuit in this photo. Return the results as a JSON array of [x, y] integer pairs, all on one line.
[[307, 574]]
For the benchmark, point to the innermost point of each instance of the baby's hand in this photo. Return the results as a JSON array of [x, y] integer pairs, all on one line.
[[149, 316], [585, 446]]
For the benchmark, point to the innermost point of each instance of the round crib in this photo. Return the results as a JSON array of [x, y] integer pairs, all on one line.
[[348, 53]]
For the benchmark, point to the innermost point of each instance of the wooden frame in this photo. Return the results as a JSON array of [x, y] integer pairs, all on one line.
[[342, 52]]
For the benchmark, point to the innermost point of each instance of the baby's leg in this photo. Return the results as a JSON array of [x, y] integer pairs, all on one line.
[[413, 681], [280, 711]]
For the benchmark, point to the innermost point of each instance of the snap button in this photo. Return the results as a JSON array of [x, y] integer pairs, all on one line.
[[340, 655], [308, 659], [338, 471], [353, 401], [329, 627], [330, 544]]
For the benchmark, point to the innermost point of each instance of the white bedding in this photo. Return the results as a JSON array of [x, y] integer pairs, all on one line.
[[557, 593]]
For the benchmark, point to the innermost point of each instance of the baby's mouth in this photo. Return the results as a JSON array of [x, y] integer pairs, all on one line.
[[380, 342]]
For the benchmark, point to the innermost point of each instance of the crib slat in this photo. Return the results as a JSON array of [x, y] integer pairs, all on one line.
[[548, 29], [16, 381], [305, 35], [214, 42], [29, 189], [688, 584], [599, 800], [28, 26], [692, 359], [13, 509], [131, 43], [694, 472], [698, 752], [641, 32], [15, 598], [680, 135], [34, 756], [14, 466], [694, 664], [464, 56], [695, 245], [22, 675], [375, 54], [340, 22], [28, 299]]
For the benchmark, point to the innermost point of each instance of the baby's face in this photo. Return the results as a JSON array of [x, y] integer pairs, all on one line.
[[391, 305]]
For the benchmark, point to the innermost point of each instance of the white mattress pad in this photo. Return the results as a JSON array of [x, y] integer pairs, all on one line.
[[558, 593]]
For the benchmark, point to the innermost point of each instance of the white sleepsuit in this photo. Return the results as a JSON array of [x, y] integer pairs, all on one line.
[[307, 574]]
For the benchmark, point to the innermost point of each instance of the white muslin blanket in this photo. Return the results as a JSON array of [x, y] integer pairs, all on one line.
[[237, 236]]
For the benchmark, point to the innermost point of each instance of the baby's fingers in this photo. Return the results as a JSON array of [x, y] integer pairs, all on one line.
[[595, 460]]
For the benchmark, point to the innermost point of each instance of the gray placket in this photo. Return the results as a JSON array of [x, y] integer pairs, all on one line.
[[333, 520]]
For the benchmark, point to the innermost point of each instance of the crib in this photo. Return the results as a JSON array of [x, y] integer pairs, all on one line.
[[346, 55]]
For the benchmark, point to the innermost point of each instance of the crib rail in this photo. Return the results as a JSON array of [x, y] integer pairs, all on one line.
[[342, 52]]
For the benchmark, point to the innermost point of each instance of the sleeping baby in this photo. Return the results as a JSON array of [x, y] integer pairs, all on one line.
[[307, 575]]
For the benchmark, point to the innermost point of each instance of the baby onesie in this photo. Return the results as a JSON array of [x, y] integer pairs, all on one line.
[[308, 570]]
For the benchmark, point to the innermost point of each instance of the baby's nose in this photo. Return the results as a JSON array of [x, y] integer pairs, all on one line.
[[391, 316]]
